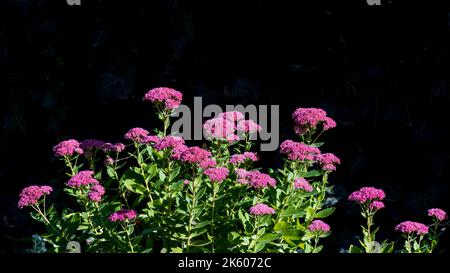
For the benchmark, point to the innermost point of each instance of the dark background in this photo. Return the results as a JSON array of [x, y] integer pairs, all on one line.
[[382, 72]]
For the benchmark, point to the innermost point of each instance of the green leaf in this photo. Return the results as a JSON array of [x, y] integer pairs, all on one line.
[[269, 237], [318, 249], [174, 174], [324, 213], [259, 247], [354, 249], [152, 170], [312, 173], [293, 212], [317, 144], [280, 226], [128, 183]]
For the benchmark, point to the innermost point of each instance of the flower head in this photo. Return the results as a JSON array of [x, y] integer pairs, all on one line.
[[81, 179], [217, 174], [366, 194], [328, 161], [108, 161], [117, 147], [136, 134], [248, 126], [30, 195], [308, 118], [207, 163], [122, 215], [299, 151], [261, 209], [233, 116], [90, 144], [219, 128], [168, 142], [255, 179], [67, 148], [439, 214], [376, 205], [319, 226], [302, 184], [409, 227], [96, 193], [237, 159], [192, 154], [171, 98]]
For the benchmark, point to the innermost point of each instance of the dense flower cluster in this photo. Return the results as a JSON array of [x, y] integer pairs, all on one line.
[[122, 215], [137, 135], [168, 142], [171, 98], [31, 195], [261, 209], [81, 179], [439, 214], [96, 193], [319, 226], [328, 161], [233, 116], [90, 144], [117, 147], [366, 194], [248, 126], [220, 128], [409, 227], [217, 174], [190, 154], [255, 179], [376, 205], [303, 184], [207, 163], [298, 151], [309, 118], [67, 148], [240, 158]]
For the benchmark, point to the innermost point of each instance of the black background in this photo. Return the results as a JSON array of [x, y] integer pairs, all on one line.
[[380, 71]]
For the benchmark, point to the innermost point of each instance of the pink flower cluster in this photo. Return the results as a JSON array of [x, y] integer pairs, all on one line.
[[366, 194], [137, 135], [319, 226], [298, 151], [302, 184], [207, 163], [439, 214], [309, 118], [96, 193], [255, 179], [168, 142], [217, 174], [233, 116], [328, 161], [122, 215], [30, 195], [67, 148], [190, 154], [81, 179], [171, 98], [376, 205], [240, 158], [409, 227], [220, 128], [248, 126], [261, 209], [117, 147]]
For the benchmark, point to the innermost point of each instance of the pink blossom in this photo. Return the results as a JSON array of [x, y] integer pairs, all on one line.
[[302, 184], [207, 163], [151, 139], [248, 126], [409, 227], [171, 98], [261, 209], [367, 194], [309, 118], [117, 148], [328, 161], [186, 182], [217, 174], [81, 179], [168, 142], [376, 205], [298, 151], [67, 148], [233, 116], [136, 135], [219, 128], [108, 161], [96, 193], [194, 154], [328, 124], [122, 215], [178, 151], [439, 214], [29, 196], [319, 226], [255, 179], [240, 158]]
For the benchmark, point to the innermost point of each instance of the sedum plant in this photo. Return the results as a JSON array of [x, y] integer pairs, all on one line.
[[156, 194]]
